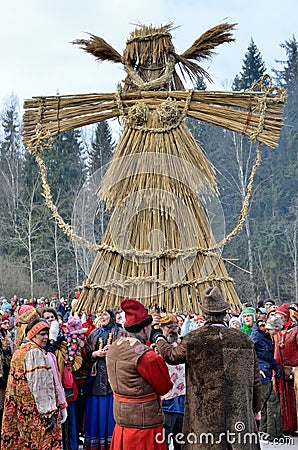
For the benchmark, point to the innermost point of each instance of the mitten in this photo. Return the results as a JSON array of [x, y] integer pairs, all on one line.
[[278, 373], [155, 333], [54, 330], [63, 414], [50, 422]]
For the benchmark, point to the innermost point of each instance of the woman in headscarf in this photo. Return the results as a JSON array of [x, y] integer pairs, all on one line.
[[25, 314], [99, 424], [6, 350], [56, 336], [34, 397]]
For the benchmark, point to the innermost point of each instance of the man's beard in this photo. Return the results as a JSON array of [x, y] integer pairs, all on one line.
[[172, 337]]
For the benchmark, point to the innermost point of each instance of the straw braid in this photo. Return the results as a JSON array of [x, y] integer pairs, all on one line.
[[171, 253], [245, 204], [42, 137], [137, 281], [177, 118], [262, 103], [159, 82]]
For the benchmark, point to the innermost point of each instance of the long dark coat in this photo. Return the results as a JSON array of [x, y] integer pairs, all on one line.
[[286, 354], [223, 388]]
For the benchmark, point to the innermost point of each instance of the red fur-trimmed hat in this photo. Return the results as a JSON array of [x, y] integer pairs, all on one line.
[[284, 310], [135, 313]]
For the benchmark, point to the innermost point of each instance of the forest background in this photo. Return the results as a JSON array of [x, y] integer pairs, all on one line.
[[38, 259]]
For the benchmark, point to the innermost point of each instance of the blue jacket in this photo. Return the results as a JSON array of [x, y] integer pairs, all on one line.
[[264, 351]]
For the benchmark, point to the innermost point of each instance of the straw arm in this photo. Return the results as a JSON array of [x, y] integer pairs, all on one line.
[[238, 103], [240, 122], [69, 100], [218, 97], [51, 115], [257, 115], [30, 137], [45, 117]]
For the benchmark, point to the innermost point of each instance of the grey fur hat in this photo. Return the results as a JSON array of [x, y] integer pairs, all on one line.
[[274, 323]]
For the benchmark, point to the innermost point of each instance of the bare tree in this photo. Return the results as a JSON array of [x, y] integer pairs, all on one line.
[[27, 233], [243, 159], [292, 243], [63, 257], [263, 273]]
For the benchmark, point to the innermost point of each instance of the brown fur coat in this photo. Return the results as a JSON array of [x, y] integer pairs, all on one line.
[[223, 388]]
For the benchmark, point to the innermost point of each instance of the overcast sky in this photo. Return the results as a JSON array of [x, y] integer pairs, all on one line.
[[37, 57]]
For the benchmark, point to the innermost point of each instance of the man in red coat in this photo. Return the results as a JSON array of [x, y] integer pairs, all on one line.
[[286, 354], [138, 376]]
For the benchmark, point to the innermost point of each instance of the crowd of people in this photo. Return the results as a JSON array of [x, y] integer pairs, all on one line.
[[136, 379]]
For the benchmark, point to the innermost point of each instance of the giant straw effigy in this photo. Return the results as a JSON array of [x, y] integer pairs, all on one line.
[[158, 246]]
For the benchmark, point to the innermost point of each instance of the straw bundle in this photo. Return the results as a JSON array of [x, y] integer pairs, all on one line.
[[237, 111]]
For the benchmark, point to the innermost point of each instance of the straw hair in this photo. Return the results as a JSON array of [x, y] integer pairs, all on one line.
[[149, 48], [99, 48], [203, 48]]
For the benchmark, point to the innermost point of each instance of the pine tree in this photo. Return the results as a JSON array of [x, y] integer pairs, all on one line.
[[65, 169], [102, 146], [288, 75], [200, 85], [11, 160], [252, 69], [11, 144]]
